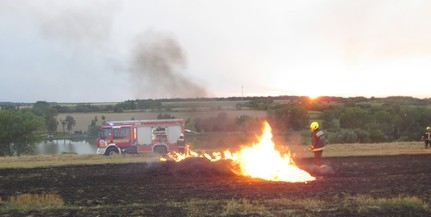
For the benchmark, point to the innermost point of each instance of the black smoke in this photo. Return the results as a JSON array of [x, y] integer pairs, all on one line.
[[159, 69]]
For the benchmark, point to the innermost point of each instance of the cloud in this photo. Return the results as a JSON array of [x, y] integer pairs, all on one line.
[[363, 31], [55, 45], [232, 48]]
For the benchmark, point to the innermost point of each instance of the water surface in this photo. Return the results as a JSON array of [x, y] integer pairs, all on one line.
[[65, 146]]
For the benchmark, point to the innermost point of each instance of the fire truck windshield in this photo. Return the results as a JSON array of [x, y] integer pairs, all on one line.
[[105, 132]]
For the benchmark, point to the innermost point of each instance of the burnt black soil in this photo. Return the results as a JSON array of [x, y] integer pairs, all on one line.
[[121, 189]]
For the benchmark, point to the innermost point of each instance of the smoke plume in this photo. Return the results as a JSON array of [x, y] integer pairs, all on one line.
[[158, 69]]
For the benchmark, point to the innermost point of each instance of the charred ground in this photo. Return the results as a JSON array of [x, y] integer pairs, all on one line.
[[159, 189]]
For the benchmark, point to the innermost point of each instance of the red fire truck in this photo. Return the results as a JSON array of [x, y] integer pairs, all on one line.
[[136, 136]]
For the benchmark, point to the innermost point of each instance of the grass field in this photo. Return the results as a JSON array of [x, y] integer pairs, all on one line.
[[333, 150]]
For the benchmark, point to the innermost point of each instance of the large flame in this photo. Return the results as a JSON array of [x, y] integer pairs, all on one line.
[[260, 160]]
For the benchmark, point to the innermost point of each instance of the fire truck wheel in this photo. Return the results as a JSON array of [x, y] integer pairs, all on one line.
[[160, 150], [111, 151]]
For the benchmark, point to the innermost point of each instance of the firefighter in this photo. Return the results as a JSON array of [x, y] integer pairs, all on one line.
[[181, 143], [318, 142], [427, 137]]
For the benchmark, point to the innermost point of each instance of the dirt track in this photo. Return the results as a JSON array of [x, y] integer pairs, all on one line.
[[142, 189]]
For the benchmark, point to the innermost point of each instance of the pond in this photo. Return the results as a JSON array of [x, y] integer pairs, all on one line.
[[65, 146]]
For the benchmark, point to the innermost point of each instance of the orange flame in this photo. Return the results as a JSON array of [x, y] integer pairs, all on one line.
[[258, 161]]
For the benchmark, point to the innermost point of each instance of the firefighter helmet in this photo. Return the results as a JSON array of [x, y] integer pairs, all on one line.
[[428, 128], [314, 125]]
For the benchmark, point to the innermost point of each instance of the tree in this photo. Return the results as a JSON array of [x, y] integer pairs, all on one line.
[[382, 126], [70, 122], [279, 117], [288, 116], [93, 128], [354, 117], [298, 117], [43, 109], [63, 124], [165, 116], [19, 131]]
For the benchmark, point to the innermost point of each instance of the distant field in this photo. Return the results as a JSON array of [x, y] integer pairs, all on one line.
[[180, 109], [202, 104], [84, 119]]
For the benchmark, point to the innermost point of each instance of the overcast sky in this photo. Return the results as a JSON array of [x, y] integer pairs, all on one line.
[[98, 51]]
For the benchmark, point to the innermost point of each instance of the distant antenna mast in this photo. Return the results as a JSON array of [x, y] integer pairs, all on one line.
[[242, 93]]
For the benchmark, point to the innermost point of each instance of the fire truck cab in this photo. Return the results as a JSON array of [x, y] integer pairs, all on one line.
[[136, 136]]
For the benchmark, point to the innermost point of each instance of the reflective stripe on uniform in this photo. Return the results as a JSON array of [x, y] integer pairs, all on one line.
[[318, 149]]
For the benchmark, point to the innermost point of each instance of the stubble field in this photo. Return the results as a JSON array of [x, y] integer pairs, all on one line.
[[360, 183]]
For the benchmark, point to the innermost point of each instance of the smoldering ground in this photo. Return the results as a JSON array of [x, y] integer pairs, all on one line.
[[202, 167], [191, 167], [323, 170], [131, 190]]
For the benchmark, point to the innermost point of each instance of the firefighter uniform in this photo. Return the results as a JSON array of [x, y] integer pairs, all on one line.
[[318, 142], [427, 137], [181, 144]]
